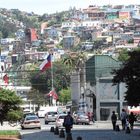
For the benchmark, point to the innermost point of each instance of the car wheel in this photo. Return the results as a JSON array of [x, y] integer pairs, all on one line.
[[39, 127], [22, 127], [46, 122]]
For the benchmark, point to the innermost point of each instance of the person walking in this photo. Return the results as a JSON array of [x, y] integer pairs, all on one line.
[[123, 118], [1, 117], [68, 123], [114, 119], [131, 119]]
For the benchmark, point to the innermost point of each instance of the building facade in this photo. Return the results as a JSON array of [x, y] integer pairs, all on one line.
[[98, 93]]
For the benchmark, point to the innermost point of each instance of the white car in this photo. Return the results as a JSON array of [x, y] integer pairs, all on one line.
[[31, 122], [51, 116], [60, 120]]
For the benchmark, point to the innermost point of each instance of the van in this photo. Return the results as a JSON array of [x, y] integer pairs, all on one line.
[[44, 110], [41, 113]]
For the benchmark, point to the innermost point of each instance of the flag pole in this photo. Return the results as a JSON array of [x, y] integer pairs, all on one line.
[[52, 87], [52, 72]]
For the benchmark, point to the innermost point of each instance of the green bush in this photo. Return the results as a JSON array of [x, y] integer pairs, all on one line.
[[14, 115], [9, 132]]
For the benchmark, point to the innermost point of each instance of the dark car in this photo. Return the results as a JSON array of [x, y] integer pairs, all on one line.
[[81, 118]]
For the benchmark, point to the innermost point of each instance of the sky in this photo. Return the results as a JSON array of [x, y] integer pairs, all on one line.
[[51, 6]]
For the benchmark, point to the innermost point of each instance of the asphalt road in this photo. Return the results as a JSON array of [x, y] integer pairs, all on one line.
[[94, 131]]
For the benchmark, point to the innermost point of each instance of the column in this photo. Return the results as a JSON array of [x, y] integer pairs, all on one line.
[[97, 100]]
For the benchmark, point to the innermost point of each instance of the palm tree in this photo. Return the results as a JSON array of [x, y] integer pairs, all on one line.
[[70, 62], [76, 63]]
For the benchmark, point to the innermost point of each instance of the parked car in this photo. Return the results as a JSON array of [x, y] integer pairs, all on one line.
[[51, 116], [31, 121], [81, 118], [60, 120]]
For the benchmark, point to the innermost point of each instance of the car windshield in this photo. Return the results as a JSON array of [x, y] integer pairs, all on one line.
[[31, 118], [52, 113], [62, 117], [28, 114]]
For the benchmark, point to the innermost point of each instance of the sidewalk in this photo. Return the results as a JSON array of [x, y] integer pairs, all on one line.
[[6, 126]]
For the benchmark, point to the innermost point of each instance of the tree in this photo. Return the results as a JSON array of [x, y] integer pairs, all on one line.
[[36, 97], [123, 55], [9, 102], [129, 74], [74, 61], [43, 81], [64, 96]]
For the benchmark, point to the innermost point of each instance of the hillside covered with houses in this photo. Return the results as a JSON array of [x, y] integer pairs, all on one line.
[[100, 32]]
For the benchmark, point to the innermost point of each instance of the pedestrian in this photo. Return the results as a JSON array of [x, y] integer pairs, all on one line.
[[131, 119], [92, 117], [1, 117], [114, 119], [1, 121], [89, 116], [68, 123], [123, 118]]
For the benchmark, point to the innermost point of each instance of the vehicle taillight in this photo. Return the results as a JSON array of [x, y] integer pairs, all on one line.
[[27, 122], [58, 120], [36, 121], [78, 118]]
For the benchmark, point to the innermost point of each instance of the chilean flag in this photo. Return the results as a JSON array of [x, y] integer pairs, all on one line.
[[45, 64], [53, 94]]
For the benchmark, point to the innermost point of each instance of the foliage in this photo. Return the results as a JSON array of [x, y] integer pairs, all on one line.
[[130, 41], [129, 74], [99, 43], [53, 19], [9, 101], [43, 81], [123, 55], [29, 20], [14, 115], [74, 61], [64, 96], [36, 97], [9, 132], [7, 29]]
